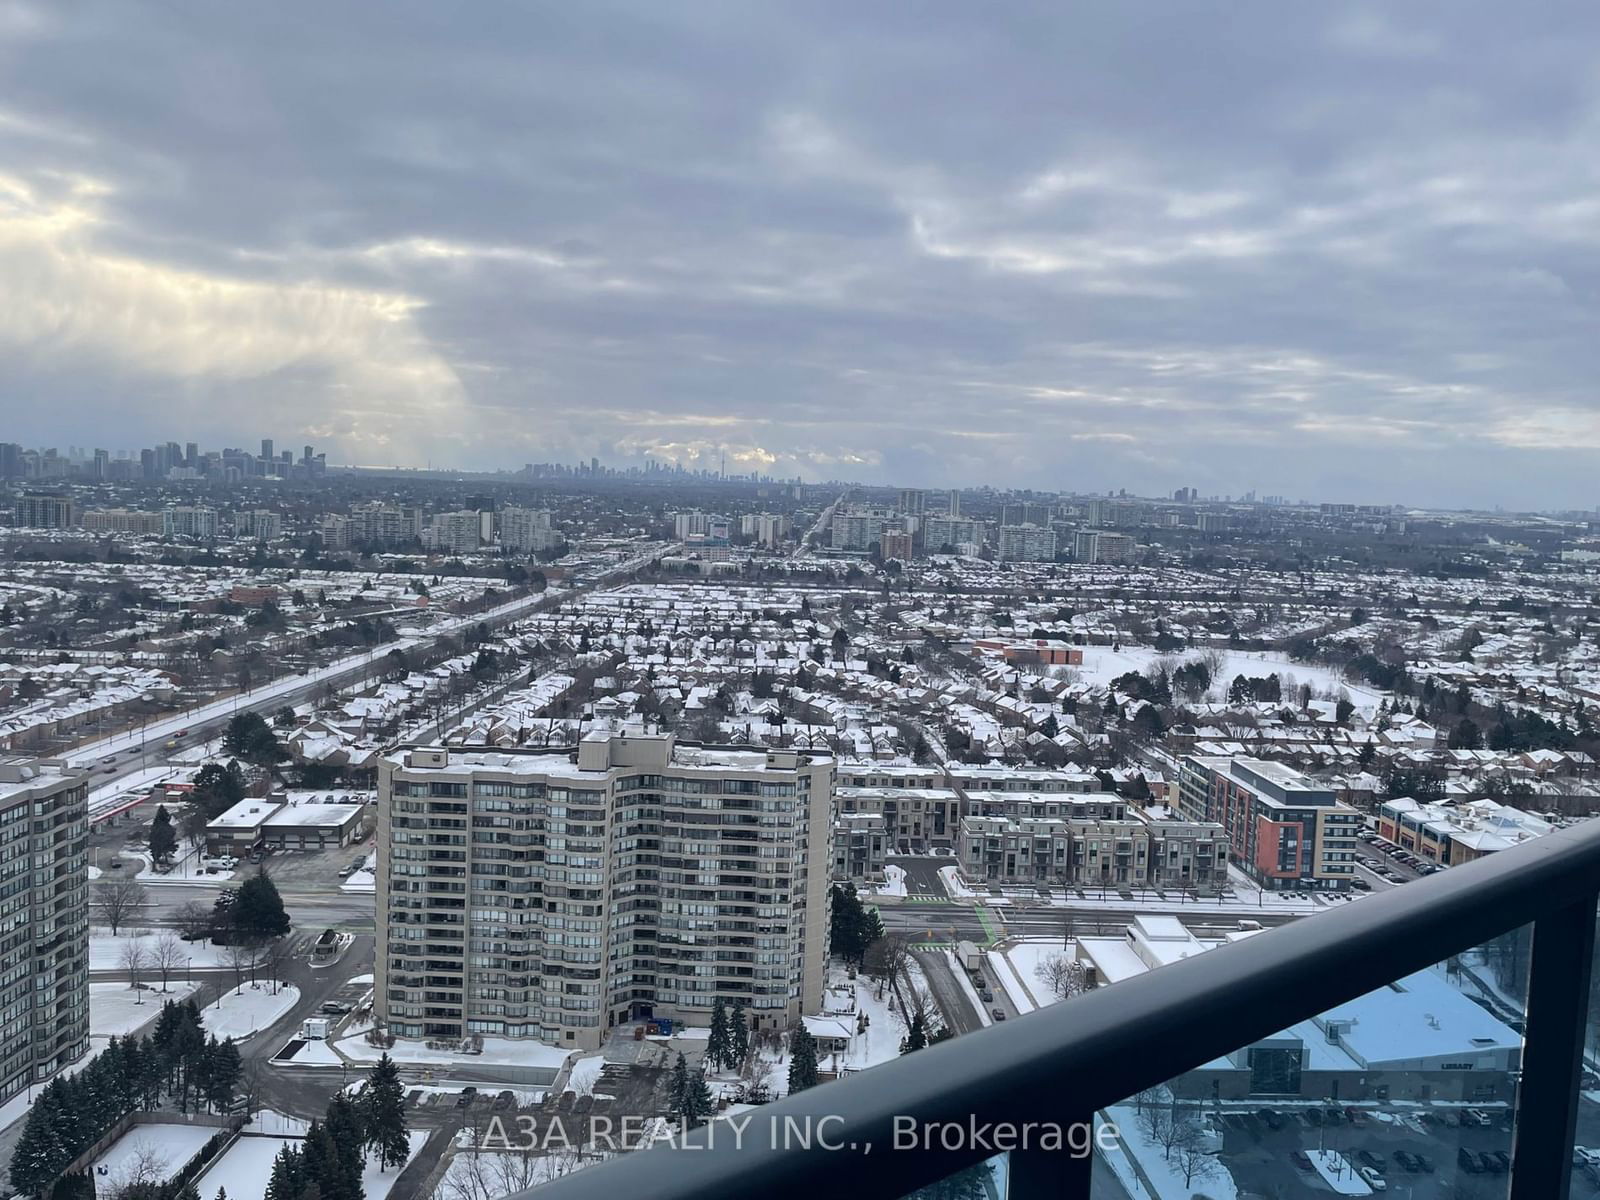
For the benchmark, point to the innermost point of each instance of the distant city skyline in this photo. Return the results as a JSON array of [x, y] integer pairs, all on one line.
[[1347, 256]]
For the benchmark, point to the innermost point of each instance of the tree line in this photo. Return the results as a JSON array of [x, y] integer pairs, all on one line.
[[178, 1064]]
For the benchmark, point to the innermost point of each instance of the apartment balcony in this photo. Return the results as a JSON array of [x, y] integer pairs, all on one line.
[[1397, 981]]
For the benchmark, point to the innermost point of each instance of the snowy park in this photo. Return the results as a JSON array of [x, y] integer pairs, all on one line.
[[239, 1013]]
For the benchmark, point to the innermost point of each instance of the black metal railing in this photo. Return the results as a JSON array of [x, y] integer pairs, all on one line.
[[1063, 1063]]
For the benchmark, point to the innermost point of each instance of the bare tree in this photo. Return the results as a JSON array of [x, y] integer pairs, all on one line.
[[166, 956], [193, 919], [887, 959], [270, 961], [117, 901], [240, 958], [143, 1168], [1064, 976], [1190, 1157], [135, 960]]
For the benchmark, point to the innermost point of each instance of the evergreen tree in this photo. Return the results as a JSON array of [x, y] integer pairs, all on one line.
[[258, 912], [384, 1114], [738, 1036], [916, 1036], [223, 1079], [163, 838], [678, 1101], [717, 1053], [343, 1127], [802, 1060], [288, 1174], [697, 1102]]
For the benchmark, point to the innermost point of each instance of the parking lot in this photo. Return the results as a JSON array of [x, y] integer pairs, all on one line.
[[1419, 1156]]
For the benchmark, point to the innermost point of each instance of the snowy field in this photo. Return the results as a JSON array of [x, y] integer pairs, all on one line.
[[246, 1167], [238, 1014], [105, 951], [362, 881], [115, 1009], [1016, 986], [1102, 664], [169, 1145]]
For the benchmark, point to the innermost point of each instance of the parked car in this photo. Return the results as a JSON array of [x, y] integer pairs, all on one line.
[[1424, 1163], [1407, 1160], [1313, 1116], [1370, 1158], [1468, 1161], [467, 1096], [1273, 1119], [1372, 1179], [504, 1101], [1502, 1161], [1301, 1159]]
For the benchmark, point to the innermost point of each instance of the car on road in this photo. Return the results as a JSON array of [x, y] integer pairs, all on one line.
[[109, 771], [336, 1008], [999, 1014], [115, 864], [986, 996]]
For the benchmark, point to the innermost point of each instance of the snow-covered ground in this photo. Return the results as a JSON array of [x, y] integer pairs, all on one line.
[[1015, 988], [1338, 1172], [238, 1014], [115, 1009], [362, 881], [951, 878], [246, 1167], [1139, 1160], [105, 951], [894, 881], [1102, 664], [496, 1052], [186, 869], [584, 1073], [313, 1053], [170, 1146]]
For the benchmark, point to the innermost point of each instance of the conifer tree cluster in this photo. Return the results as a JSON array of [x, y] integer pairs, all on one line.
[[178, 1066], [729, 1042], [328, 1164], [692, 1105]]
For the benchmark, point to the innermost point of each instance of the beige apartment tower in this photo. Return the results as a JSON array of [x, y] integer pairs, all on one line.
[[44, 920], [531, 894]]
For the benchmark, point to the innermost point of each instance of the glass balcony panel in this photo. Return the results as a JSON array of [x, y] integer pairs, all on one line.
[[1409, 1090]]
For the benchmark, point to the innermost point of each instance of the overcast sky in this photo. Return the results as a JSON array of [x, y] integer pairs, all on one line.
[[1331, 251]]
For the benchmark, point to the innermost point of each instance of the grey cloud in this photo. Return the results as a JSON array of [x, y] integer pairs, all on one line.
[[1340, 251]]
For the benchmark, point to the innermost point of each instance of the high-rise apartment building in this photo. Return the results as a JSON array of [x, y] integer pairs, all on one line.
[[1099, 546], [44, 920], [46, 512], [454, 532], [552, 896], [191, 521], [526, 529], [912, 501], [1026, 543]]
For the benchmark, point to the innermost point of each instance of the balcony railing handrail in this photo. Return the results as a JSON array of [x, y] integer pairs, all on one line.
[[1064, 1062]]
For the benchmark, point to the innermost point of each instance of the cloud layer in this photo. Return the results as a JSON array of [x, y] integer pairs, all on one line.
[[1332, 251]]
